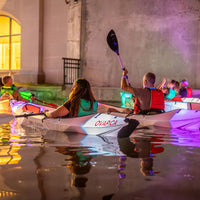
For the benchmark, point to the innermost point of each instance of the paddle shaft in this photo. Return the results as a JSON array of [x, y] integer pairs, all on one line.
[[49, 104], [27, 95], [123, 68], [28, 115]]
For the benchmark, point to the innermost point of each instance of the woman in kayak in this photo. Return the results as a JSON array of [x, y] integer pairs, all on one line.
[[81, 102], [169, 91]]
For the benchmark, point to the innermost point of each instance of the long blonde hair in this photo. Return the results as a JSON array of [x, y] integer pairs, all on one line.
[[80, 90]]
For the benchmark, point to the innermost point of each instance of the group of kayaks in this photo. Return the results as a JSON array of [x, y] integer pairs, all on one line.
[[31, 114]]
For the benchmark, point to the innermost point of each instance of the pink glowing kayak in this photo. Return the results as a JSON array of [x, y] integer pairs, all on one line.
[[175, 119]]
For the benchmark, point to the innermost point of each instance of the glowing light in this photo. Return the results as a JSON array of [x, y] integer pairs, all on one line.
[[126, 99], [10, 44]]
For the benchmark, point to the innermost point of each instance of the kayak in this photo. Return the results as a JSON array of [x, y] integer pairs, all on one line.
[[94, 124], [186, 103], [175, 119], [102, 122]]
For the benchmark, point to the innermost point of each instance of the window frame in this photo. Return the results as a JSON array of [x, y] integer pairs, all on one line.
[[10, 35]]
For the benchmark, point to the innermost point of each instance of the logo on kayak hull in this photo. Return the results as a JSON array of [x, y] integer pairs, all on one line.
[[101, 123]]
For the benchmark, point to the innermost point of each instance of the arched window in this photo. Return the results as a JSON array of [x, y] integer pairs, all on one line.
[[10, 44]]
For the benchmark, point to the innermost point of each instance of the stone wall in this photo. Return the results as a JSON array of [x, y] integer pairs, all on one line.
[[153, 35]]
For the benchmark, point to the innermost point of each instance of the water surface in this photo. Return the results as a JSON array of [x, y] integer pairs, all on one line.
[[152, 164]]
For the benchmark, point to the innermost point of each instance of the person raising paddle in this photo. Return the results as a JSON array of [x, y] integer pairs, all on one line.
[[81, 102], [148, 100]]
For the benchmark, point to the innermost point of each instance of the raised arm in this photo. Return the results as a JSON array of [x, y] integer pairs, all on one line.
[[162, 84], [124, 85]]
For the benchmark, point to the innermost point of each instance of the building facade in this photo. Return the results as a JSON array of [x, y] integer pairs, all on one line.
[[157, 36]]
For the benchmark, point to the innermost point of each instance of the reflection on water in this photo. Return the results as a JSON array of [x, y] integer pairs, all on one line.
[[151, 164]]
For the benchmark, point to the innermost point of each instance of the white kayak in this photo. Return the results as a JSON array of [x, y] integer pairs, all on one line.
[[185, 104], [94, 124], [101, 122], [175, 119]]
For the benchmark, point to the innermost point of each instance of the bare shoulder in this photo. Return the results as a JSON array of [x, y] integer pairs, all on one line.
[[141, 91]]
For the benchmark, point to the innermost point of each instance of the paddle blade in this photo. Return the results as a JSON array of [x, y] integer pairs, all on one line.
[[112, 41]]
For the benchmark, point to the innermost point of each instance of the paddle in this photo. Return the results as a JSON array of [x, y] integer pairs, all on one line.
[[29, 114], [49, 104], [6, 118], [27, 95], [113, 44]]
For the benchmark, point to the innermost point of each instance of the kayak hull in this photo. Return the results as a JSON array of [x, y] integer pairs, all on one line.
[[175, 119], [94, 124], [90, 124], [101, 122]]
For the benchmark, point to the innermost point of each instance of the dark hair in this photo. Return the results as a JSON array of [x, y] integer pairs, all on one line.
[[177, 84], [150, 77], [173, 81], [80, 90], [6, 79], [1, 83]]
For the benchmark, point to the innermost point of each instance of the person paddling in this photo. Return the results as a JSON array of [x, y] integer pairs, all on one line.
[[148, 100], [185, 91], [169, 92], [81, 102], [8, 90]]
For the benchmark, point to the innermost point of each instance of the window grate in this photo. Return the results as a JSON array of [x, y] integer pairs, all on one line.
[[71, 70]]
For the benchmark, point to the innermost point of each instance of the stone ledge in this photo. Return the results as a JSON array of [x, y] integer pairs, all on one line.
[[45, 92], [56, 92]]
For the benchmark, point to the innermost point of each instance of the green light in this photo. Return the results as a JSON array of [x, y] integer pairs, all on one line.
[[126, 99]]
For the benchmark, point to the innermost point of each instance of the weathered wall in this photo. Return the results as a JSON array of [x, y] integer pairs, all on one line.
[[26, 13], [153, 35], [43, 41], [54, 40]]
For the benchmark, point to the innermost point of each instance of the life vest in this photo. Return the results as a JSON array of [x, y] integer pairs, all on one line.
[[186, 92], [7, 89], [136, 106], [189, 92], [157, 101], [26, 95], [84, 108], [10, 90]]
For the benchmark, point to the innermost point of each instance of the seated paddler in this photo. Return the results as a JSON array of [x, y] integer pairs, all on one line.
[[148, 100], [9, 91], [81, 102]]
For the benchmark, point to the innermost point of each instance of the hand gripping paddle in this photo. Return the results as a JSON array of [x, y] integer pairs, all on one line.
[[113, 44]]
